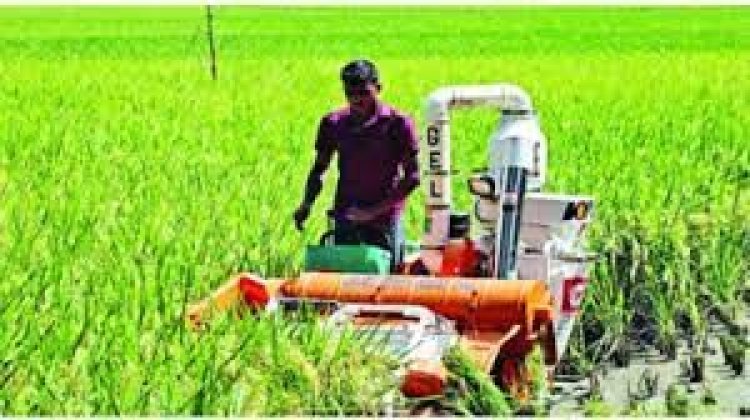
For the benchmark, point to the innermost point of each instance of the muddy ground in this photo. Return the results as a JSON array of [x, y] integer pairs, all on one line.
[[641, 388]]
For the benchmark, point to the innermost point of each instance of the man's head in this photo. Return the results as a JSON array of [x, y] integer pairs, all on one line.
[[361, 85]]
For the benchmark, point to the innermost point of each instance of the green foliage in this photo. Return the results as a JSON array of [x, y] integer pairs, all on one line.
[[131, 184], [472, 392], [595, 407], [677, 401]]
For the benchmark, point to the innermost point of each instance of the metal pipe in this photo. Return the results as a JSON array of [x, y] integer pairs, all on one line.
[[511, 101]]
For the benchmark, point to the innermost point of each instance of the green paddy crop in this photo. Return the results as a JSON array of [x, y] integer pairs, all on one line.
[[132, 184]]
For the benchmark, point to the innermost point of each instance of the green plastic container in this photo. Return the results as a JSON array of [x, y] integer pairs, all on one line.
[[348, 259]]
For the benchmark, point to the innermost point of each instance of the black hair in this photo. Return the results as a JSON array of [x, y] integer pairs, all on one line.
[[359, 72]]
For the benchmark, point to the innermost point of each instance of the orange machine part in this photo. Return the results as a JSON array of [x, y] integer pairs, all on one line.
[[472, 302], [460, 258], [249, 288], [485, 310], [254, 292], [475, 304], [424, 378]]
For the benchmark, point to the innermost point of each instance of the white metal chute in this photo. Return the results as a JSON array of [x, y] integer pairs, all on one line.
[[506, 97], [516, 134]]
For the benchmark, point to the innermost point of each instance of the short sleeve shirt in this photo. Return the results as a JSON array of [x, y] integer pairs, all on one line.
[[370, 156]]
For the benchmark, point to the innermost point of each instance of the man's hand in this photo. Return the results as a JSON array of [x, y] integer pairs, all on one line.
[[360, 215], [300, 215]]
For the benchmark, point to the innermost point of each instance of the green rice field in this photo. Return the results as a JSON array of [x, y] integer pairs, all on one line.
[[132, 184]]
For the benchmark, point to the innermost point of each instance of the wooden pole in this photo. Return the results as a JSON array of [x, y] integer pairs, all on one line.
[[211, 44]]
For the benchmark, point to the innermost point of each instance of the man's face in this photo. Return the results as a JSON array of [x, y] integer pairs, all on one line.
[[362, 97]]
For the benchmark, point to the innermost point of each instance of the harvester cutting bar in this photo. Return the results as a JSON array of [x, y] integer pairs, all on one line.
[[478, 306], [473, 303]]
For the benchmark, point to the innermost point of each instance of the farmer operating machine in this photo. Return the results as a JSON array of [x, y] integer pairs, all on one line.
[[515, 283]]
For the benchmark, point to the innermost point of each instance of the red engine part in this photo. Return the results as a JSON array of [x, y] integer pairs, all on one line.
[[460, 258]]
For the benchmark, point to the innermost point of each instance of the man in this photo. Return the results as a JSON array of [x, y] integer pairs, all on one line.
[[377, 150]]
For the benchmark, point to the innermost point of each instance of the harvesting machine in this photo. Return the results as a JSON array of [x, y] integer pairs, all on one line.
[[512, 282]]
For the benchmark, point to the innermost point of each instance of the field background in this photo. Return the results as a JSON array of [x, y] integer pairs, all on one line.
[[131, 183]]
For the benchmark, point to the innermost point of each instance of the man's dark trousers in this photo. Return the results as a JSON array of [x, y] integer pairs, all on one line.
[[389, 236]]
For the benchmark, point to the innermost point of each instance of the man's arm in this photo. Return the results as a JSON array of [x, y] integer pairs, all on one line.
[[406, 185], [325, 147], [314, 183], [409, 141]]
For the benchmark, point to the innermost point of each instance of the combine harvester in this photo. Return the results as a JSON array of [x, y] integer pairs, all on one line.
[[516, 284]]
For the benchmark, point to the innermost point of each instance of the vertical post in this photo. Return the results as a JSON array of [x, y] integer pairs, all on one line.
[[509, 222], [211, 45]]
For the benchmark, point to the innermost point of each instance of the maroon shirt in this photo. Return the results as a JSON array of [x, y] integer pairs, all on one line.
[[369, 157]]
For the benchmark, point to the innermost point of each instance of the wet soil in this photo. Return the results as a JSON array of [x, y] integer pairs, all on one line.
[[645, 382]]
